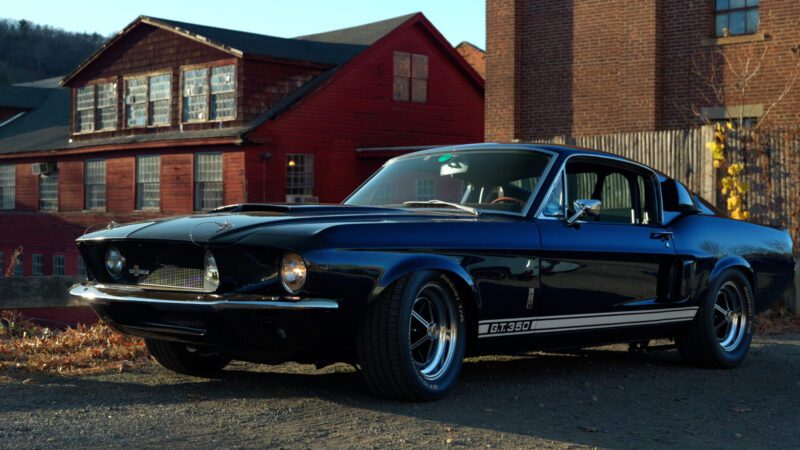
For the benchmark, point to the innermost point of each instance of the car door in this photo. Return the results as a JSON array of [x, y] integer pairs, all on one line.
[[604, 271]]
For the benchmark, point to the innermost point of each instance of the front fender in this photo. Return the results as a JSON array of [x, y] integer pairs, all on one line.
[[409, 264]]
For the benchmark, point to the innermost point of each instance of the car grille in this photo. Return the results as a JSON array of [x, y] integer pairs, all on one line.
[[173, 277]]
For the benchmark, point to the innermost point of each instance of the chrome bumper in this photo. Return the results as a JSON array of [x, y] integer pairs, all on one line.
[[102, 294]]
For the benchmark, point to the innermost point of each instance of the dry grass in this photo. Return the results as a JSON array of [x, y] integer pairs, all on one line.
[[74, 351], [777, 320]]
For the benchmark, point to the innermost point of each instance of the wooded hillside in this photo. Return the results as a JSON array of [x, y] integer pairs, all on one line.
[[31, 52]]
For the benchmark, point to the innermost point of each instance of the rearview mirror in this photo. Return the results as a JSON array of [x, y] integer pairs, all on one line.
[[589, 207]]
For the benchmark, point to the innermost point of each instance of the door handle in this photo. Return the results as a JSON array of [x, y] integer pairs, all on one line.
[[662, 235]]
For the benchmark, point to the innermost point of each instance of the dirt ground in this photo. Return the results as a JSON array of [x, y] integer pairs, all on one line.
[[604, 398]]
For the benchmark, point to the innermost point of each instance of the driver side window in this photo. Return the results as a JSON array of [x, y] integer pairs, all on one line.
[[628, 195]]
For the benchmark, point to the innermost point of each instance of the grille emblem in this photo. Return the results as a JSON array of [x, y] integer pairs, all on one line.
[[136, 271]]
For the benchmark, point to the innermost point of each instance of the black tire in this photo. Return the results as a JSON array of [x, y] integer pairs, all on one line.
[[394, 367], [707, 341], [182, 359]]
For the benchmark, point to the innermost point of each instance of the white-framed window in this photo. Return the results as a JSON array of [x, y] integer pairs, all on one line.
[[58, 265], [299, 174], [48, 192], [37, 265], [223, 92], [207, 181], [84, 109], [8, 181], [81, 267], [195, 95], [160, 90], [135, 102], [148, 182], [107, 106], [94, 175], [425, 189], [410, 77]]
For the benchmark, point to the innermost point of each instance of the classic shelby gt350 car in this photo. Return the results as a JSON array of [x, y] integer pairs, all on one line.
[[444, 253]]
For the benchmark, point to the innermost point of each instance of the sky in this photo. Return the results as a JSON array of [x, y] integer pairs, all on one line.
[[457, 20]]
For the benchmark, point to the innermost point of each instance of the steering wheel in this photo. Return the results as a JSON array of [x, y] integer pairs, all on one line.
[[508, 199]]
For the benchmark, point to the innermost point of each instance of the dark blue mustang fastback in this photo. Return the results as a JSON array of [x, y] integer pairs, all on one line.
[[444, 253]]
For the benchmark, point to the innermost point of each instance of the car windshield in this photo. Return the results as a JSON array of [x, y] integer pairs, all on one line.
[[469, 181]]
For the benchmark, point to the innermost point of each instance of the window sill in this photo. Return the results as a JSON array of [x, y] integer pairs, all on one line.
[[147, 210], [732, 40], [94, 210]]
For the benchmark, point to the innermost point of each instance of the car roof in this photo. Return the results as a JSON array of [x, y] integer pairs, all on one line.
[[554, 148]]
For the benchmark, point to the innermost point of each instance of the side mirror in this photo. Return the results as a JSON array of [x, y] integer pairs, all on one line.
[[677, 198], [589, 207]]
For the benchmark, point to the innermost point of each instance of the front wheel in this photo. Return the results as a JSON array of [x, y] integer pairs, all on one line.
[[719, 336], [412, 340]]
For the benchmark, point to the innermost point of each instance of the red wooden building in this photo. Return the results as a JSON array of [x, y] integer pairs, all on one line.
[[172, 118]]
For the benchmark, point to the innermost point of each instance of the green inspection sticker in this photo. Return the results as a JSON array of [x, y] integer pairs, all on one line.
[[445, 158]]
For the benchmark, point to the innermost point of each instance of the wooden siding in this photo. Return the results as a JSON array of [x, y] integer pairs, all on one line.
[[148, 50], [356, 110]]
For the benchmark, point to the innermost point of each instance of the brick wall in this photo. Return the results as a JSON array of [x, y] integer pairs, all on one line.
[[586, 67]]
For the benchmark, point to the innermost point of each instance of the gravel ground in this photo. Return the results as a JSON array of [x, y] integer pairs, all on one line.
[[604, 398]]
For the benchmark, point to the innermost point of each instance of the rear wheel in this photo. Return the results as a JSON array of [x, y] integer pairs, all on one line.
[[412, 340], [719, 336], [185, 359]]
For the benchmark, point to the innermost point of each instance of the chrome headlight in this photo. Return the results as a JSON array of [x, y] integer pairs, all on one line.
[[115, 262], [293, 272], [211, 278]]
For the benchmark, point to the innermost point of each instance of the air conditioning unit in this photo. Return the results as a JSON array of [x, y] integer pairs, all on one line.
[[302, 199], [43, 168]]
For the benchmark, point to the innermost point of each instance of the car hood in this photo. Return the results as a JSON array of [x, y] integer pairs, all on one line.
[[233, 223]]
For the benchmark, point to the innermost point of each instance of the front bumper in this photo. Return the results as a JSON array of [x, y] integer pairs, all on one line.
[[251, 327], [103, 294]]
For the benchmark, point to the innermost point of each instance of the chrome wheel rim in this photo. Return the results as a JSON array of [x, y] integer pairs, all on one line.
[[432, 332], [730, 317]]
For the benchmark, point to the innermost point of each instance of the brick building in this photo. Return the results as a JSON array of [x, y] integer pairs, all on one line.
[[585, 67], [171, 118], [474, 55]]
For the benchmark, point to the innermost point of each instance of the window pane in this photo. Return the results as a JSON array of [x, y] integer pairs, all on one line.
[[419, 90], [81, 266], [58, 265], [419, 66], [195, 94], [48, 192], [7, 186], [95, 184], [736, 23], [135, 102], [752, 2], [223, 106], [402, 64], [107, 106], [160, 94], [721, 25], [222, 79], [37, 265], [208, 181], [84, 106], [736, 4], [721, 4], [752, 20], [148, 182], [401, 89], [299, 174]]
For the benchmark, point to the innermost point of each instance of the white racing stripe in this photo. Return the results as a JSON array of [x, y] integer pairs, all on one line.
[[575, 322]]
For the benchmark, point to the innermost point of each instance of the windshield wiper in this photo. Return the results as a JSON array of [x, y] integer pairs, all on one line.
[[442, 203]]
